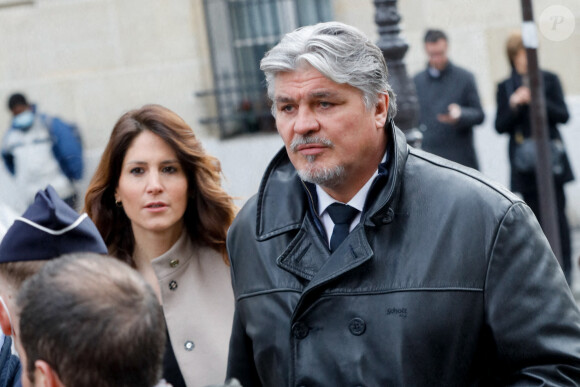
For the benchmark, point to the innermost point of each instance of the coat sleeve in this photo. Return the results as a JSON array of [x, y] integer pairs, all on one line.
[[506, 118], [529, 308], [241, 364], [557, 111], [471, 111], [241, 359]]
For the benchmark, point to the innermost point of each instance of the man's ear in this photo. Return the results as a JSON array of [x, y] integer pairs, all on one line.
[[44, 375], [381, 111]]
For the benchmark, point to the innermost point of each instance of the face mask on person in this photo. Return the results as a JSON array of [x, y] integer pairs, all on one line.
[[23, 120]]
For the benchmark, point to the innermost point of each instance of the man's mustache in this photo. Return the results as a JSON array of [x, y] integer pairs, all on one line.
[[305, 140]]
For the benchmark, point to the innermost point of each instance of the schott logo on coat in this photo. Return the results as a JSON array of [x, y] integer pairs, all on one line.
[[400, 312]]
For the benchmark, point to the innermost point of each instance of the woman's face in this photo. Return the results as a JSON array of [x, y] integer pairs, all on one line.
[[152, 186]]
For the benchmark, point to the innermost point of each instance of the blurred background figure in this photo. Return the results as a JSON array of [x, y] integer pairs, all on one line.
[[89, 321], [449, 104], [39, 150], [513, 118], [156, 198]]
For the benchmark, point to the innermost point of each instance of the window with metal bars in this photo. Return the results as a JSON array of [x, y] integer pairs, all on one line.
[[240, 33]]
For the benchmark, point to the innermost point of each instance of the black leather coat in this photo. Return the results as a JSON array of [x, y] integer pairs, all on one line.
[[447, 281]]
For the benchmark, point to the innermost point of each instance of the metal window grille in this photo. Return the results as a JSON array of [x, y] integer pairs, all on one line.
[[240, 33]]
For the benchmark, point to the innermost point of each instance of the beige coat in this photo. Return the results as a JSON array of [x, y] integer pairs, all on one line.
[[198, 304]]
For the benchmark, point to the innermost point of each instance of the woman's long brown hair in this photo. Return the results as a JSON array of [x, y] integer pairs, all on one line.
[[210, 210]]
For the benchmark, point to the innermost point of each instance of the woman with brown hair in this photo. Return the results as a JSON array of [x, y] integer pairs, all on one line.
[[157, 201]]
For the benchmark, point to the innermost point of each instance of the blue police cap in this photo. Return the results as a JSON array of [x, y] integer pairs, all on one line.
[[48, 229]]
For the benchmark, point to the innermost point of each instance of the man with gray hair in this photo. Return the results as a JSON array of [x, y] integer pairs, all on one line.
[[362, 261]]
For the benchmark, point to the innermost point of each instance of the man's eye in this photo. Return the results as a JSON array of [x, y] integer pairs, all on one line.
[[287, 108], [325, 104]]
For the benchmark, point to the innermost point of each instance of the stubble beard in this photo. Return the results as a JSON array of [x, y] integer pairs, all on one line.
[[324, 176]]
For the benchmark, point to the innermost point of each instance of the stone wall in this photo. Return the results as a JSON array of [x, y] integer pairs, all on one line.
[[91, 60]]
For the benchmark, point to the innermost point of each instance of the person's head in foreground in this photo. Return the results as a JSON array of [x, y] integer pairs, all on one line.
[[86, 320]]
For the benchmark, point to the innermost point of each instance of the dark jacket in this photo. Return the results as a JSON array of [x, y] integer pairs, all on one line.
[[447, 280], [10, 369], [453, 142], [512, 121]]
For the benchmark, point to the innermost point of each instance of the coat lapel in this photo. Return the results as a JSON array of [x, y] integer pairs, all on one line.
[[306, 254], [308, 257], [353, 252]]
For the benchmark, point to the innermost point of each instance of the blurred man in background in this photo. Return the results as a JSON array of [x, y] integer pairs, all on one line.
[[449, 104]]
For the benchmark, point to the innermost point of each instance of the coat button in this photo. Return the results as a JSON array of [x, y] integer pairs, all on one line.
[[299, 330], [174, 262], [357, 326], [173, 285], [189, 345]]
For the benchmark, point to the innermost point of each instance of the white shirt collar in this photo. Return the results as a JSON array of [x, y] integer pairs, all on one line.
[[434, 72], [358, 202]]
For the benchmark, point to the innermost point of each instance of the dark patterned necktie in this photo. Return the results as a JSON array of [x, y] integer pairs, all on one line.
[[342, 216]]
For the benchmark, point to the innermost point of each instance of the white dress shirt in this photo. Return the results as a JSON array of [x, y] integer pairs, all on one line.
[[358, 202]]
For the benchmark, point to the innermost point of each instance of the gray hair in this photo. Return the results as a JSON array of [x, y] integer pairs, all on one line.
[[339, 52]]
